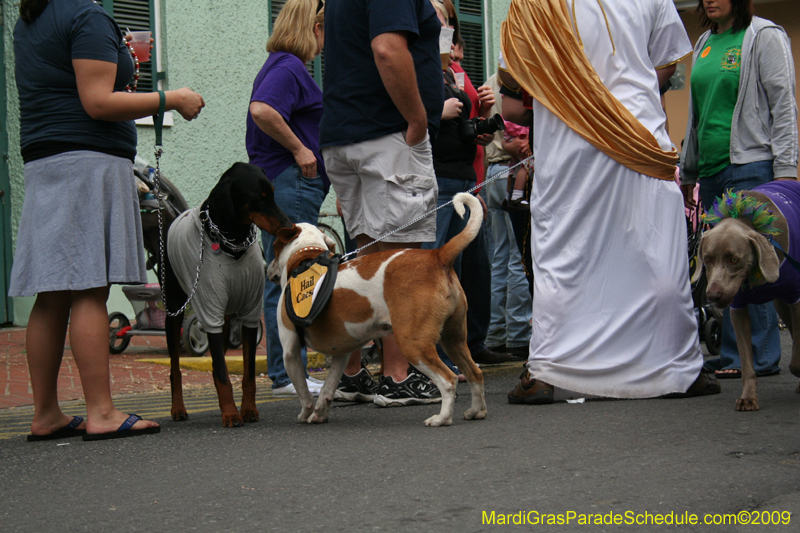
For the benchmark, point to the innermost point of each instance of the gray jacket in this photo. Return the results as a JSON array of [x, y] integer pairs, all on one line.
[[764, 126]]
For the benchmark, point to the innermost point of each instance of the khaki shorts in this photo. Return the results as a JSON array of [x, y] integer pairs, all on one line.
[[383, 184]]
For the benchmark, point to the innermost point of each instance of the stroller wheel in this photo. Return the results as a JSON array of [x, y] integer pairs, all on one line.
[[712, 334], [117, 321], [194, 337], [235, 336]]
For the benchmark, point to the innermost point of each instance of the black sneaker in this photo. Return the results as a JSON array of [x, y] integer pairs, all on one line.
[[358, 388], [416, 389]]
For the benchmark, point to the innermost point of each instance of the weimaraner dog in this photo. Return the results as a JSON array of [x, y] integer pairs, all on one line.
[[735, 254]]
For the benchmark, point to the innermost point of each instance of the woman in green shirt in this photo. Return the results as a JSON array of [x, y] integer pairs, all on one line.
[[742, 132]]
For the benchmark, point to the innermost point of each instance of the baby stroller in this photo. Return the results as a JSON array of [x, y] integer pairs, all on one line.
[[147, 300], [709, 317]]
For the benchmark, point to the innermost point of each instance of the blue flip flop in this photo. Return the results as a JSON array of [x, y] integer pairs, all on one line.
[[70, 430], [124, 431]]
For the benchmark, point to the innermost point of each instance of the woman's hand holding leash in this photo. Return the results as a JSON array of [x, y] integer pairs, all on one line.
[[186, 102]]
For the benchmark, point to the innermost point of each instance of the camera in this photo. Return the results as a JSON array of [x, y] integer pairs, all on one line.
[[470, 129]]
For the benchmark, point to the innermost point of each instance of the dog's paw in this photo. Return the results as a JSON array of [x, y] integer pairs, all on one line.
[[250, 415], [474, 414], [317, 418], [303, 416], [232, 421], [179, 415], [439, 420], [747, 404]]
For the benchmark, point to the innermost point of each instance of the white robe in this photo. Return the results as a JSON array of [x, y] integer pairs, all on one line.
[[612, 308]]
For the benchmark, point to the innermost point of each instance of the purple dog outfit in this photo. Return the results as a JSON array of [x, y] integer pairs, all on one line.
[[786, 197]]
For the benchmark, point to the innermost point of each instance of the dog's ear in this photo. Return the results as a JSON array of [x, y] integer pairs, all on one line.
[[698, 267], [767, 258], [287, 235], [330, 243]]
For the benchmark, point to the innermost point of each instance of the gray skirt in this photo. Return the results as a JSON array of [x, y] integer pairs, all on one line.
[[80, 226]]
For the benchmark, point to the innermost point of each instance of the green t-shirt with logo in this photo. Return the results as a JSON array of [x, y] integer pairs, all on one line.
[[715, 89]]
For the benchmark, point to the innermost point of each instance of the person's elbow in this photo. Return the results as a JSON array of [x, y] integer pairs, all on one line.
[[387, 46], [98, 109]]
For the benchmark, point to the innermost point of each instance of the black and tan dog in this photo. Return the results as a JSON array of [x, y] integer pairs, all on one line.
[[230, 279], [414, 294]]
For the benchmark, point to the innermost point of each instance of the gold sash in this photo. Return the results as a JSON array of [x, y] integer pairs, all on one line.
[[543, 54]]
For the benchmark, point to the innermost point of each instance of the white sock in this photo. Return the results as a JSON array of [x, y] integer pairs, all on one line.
[[515, 194]]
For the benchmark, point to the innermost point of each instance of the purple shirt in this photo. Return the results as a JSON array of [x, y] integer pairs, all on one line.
[[285, 85], [786, 197]]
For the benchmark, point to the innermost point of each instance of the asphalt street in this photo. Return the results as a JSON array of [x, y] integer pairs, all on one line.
[[373, 469]]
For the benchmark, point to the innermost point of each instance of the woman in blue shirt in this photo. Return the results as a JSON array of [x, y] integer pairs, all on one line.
[[80, 229]]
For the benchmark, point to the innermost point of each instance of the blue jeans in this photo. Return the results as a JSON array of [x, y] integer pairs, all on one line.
[[510, 322], [763, 318], [301, 199], [471, 266]]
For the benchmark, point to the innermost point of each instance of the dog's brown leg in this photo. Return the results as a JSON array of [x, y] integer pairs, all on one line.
[[173, 328], [744, 342], [790, 314], [454, 344], [249, 410], [230, 415]]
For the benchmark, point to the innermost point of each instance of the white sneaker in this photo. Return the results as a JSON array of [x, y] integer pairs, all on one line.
[[312, 379], [287, 391]]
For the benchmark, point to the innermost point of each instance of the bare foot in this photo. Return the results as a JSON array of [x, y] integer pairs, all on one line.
[[45, 426], [113, 421]]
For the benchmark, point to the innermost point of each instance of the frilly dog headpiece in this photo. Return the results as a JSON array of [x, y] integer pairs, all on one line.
[[741, 205]]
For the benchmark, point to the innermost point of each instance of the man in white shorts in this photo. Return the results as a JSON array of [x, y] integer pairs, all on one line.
[[382, 95]]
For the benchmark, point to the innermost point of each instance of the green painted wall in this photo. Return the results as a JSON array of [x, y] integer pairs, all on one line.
[[215, 47], [496, 11]]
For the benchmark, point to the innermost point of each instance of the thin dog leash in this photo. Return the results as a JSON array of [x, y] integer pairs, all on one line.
[[792, 261], [493, 177]]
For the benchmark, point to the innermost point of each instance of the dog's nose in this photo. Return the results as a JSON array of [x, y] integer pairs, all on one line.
[[714, 294]]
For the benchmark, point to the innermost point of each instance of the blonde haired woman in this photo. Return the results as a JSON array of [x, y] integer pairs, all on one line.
[[283, 139]]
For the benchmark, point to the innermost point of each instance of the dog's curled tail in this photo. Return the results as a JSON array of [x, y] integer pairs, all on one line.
[[449, 252]]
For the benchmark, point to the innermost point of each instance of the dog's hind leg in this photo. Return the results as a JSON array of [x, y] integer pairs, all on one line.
[[790, 314], [249, 411], [323, 407], [173, 328], [454, 344], [230, 415]]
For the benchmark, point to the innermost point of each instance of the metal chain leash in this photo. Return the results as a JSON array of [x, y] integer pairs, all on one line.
[[160, 197], [496, 176], [158, 121]]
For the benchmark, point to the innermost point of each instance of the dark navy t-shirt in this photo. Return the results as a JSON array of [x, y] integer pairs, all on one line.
[[50, 108], [357, 106], [285, 85]]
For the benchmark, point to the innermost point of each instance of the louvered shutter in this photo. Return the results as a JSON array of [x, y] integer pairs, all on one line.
[[470, 19], [135, 15], [316, 67]]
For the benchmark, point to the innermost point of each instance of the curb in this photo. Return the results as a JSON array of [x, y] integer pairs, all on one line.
[[235, 364]]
